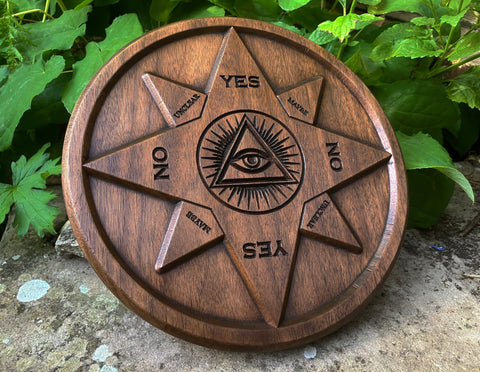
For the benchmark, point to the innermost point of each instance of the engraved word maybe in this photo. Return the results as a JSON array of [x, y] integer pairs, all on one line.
[[334, 155], [160, 156], [298, 106], [265, 250], [241, 81], [318, 214], [182, 110], [197, 221]]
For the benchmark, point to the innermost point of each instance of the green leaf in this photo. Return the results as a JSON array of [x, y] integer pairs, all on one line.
[[466, 88], [160, 9], [54, 34], [453, 20], [469, 131], [267, 10], [22, 5], [228, 5], [27, 194], [388, 6], [421, 151], [17, 93], [418, 105], [343, 25], [423, 21], [4, 71], [429, 192], [310, 15], [364, 67], [199, 9], [289, 5], [122, 30], [47, 108], [466, 46], [370, 2], [6, 200], [290, 27], [405, 40], [322, 37]]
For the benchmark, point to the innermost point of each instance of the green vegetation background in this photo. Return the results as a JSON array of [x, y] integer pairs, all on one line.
[[418, 70]]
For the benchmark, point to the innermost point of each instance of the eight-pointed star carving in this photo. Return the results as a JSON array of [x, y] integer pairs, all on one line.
[[236, 155]]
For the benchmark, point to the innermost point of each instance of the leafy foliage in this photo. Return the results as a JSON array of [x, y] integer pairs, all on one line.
[[49, 50], [16, 94], [123, 30], [26, 192]]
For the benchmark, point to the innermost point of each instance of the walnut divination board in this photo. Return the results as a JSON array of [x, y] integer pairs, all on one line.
[[234, 184]]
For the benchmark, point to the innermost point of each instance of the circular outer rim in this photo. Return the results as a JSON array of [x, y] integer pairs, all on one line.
[[134, 295]]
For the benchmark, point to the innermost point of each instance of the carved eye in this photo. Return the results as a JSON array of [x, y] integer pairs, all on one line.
[[251, 161]]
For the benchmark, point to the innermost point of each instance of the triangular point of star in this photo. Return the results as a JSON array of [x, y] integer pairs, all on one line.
[[191, 230], [322, 220], [178, 104], [301, 101]]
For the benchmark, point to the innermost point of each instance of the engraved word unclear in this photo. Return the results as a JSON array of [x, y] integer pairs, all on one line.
[[334, 155], [318, 214], [298, 106], [160, 157], [241, 81], [197, 221], [265, 250], [182, 110]]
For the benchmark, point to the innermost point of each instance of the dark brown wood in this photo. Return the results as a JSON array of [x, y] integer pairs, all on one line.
[[234, 184]]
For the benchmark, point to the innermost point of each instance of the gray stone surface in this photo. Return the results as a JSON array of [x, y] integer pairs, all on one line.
[[426, 317], [66, 243]]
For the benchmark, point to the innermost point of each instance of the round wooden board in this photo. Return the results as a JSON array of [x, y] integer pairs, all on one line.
[[234, 184]]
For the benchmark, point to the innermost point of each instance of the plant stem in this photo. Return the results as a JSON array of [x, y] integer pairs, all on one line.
[[450, 35], [47, 5], [454, 66], [28, 12], [62, 5], [437, 21], [352, 7], [334, 5]]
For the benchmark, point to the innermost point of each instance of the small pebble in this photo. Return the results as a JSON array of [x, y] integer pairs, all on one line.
[[32, 290], [310, 352], [108, 369], [101, 354], [84, 289]]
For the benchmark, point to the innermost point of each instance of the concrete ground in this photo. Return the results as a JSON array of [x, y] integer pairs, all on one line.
[[56, 315]]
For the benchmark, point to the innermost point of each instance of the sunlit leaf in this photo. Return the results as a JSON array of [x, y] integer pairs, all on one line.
[[420, 151]]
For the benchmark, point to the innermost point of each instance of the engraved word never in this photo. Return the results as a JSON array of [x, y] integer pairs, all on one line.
[[318, 214], [182, 110], [197, 221], [298, 106], [241, 81], [334, 154], [160, 156], [265, 250]]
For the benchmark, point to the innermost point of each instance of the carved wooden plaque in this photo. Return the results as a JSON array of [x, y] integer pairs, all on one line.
[[234, 184]]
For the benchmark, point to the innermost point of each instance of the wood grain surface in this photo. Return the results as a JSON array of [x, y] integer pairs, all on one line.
[[234, 184]]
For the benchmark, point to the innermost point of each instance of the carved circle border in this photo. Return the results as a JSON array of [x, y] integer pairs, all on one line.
[[129, 288]]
